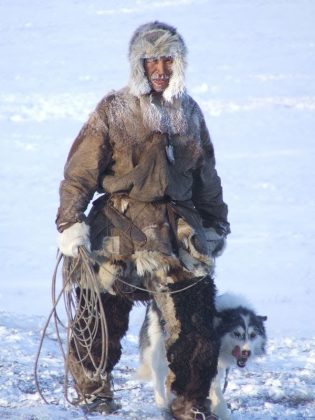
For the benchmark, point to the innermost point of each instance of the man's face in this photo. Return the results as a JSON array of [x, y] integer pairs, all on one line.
[[158, 72]]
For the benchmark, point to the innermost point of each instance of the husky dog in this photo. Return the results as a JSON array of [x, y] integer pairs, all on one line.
[[242, 336]]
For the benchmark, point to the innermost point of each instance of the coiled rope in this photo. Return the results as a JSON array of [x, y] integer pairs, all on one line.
[[85, 320]]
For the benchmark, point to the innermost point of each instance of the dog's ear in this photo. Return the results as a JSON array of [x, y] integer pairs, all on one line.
[[263, 318]]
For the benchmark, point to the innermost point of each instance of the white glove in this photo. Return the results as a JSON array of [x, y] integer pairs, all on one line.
[[73, 237], [215, 241]]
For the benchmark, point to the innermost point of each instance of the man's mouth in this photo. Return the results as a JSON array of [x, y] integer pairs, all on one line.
[[160, 77], [160, 83]]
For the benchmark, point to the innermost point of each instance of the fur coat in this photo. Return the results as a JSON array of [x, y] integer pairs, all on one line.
[[152, 158]]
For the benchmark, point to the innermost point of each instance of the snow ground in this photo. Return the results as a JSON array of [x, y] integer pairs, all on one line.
[[279, 386], [251, 68]]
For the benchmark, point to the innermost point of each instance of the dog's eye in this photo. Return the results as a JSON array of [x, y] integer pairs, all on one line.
[[237, 334], [252, 335]]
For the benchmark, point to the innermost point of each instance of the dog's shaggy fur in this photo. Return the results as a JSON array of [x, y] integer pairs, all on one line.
[[242, 336]]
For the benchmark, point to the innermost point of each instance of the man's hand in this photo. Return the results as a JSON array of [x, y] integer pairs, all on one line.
[[216, 242], [71, 238]]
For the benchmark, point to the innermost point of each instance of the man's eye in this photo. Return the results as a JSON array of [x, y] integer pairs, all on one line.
[[151, 60]]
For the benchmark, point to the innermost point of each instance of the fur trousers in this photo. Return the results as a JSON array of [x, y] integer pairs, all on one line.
[[191, 344]]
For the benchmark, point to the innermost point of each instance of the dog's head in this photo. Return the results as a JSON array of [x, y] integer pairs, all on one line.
[[249, 337], [242, 333]]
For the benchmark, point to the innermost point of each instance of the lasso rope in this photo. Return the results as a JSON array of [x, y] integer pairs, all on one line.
[[86, 318]]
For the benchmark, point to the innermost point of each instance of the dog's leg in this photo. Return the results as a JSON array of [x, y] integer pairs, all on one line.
[[159, 371], [218, 404], [155, 355], [144, 371]]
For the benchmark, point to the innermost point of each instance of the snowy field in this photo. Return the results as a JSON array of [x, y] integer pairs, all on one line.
[[252, 70]]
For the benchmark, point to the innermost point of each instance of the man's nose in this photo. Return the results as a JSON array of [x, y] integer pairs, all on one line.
[[161, 66]]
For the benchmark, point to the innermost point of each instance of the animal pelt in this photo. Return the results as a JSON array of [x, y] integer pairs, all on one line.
[[155, 260], [193, 356], [242, 339]]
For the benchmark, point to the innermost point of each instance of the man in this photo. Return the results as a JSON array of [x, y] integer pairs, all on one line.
[[159, 223]]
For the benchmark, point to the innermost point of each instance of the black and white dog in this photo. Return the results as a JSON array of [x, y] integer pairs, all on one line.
[[242, 335]]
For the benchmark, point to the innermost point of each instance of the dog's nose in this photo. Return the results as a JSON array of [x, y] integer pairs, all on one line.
[[246, 353]]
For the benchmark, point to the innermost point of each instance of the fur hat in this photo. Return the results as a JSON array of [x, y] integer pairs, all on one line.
[[157, 39]]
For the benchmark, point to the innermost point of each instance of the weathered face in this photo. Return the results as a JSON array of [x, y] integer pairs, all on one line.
[[158, 71]]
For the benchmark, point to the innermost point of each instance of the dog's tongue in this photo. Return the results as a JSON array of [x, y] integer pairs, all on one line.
[[236, 352]]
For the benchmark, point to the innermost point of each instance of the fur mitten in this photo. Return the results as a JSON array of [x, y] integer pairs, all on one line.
[[73, 237], [216, 242]]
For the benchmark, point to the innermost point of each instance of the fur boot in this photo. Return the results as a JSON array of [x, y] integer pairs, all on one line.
[[183, 409]]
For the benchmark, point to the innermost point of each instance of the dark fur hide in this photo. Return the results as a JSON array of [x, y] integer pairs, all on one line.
[[193, 356]]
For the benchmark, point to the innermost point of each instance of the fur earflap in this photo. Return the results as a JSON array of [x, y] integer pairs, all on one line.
[[157, 39]]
